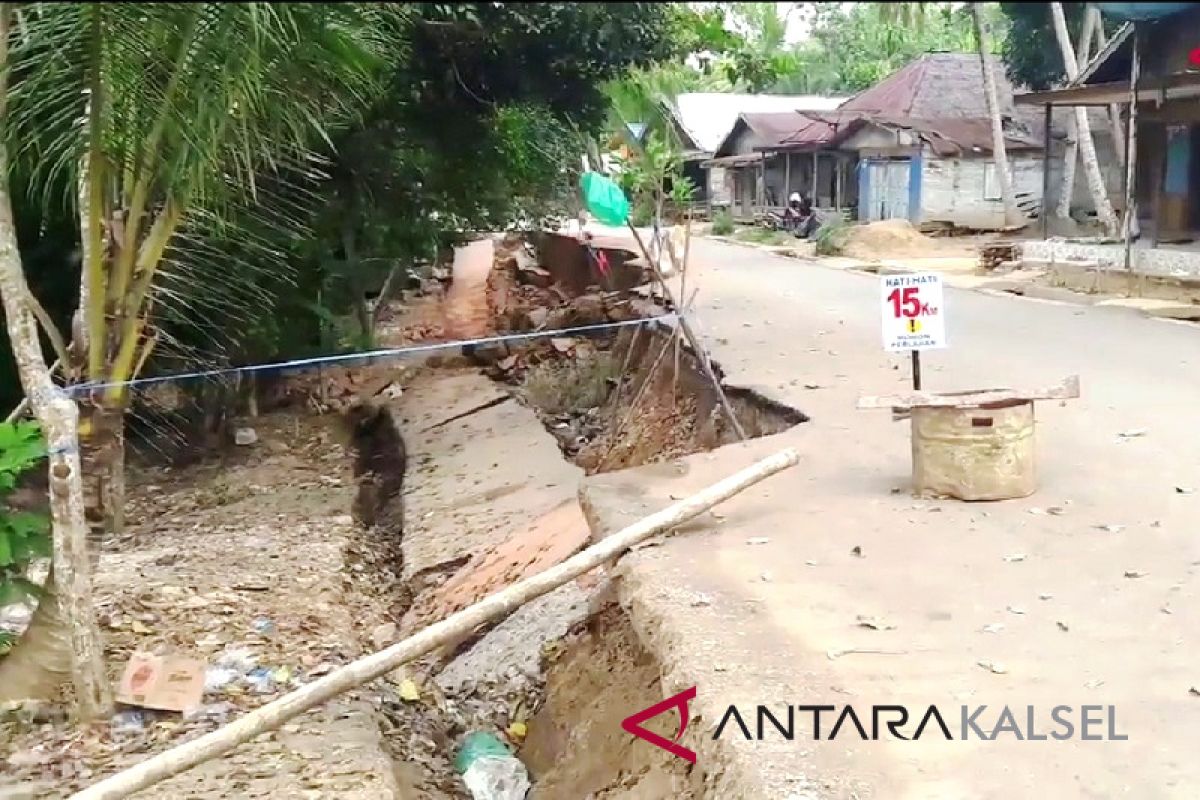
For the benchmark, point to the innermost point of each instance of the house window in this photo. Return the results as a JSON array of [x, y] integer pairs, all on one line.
[[991, 181]]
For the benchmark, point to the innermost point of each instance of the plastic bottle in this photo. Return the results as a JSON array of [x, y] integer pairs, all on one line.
[[490, 770]]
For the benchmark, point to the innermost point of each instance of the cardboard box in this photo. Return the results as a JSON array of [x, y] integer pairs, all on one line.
[[166, 683]]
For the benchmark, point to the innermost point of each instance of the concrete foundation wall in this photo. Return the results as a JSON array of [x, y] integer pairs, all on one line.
[[1153, 261]]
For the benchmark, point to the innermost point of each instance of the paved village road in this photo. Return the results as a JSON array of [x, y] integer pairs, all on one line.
[[1069, 612]]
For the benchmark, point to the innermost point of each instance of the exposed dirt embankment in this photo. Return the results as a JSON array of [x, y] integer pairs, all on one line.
[[576, 745]]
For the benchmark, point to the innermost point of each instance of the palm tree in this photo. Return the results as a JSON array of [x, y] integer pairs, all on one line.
[[165, 112], [1012, 214], [1083, 130]]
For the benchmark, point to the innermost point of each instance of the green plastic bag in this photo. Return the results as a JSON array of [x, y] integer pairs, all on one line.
[[604, 199], [477, 745]]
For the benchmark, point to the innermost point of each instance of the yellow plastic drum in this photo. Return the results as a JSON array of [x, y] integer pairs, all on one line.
[[974, 453]]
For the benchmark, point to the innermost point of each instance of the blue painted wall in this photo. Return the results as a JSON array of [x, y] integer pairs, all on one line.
[[914, 188], [864, 184], [1179, 160]]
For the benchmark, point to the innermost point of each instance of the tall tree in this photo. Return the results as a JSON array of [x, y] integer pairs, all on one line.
[[1012, 214], [65, 622]]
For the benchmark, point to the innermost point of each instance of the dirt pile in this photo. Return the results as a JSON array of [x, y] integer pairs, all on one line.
[[887, 239]]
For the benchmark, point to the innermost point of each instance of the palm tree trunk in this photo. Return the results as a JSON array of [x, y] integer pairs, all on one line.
[[1012, 214], [102, 449], [1087, 147], [66, 614], [1066, 191]]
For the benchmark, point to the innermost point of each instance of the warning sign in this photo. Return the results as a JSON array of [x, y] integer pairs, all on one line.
[[914, 316]]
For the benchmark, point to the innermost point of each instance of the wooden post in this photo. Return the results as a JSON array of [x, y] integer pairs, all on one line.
[[813, 194], [839, 167], [787, 176], [1135, 70], [1046, 173], [452, 628], [916, 370]]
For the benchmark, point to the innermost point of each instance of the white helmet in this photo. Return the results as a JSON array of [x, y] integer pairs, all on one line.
[[794, 198]]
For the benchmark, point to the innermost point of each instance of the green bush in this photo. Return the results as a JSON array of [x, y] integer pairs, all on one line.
[[24, 535], [765, 236], [722, 223], [832, 237]]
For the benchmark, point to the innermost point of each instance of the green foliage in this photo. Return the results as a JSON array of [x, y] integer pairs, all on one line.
[[853, 46], [832, 237], [24, 535], [1030, 47], [765, 236], [722, 222]]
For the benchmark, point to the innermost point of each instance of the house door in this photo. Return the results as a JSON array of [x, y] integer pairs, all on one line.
[[887, 189], [749, 178]]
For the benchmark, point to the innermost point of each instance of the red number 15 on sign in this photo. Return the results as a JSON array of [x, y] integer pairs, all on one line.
[[904, 302]]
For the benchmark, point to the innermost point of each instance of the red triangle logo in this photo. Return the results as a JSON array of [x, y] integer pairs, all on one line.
[[633, 724]]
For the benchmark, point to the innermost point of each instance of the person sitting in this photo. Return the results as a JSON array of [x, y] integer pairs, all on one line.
[[798, 217]]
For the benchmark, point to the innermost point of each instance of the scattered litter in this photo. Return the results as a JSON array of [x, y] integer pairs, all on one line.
[[857, 551], [812, 386], [1056, 511], [128, 722], [1015, 610], [169, 683], [810, 563], [758, 540], [1062, 626], [264, 626], [833, 655], [1166, 610], [517, 730], [1045, 596], [1133, 434], [1184, 490], [260, 680], [244, 437], [1015, 557], [1094, 683], [409, 691], [765, 577], [896, 490], [489, 770], [1134, 573], [874, 623], [217, 678], [1194, 692], [1109, 528], [994, 627], [701, 601], [998, 669]]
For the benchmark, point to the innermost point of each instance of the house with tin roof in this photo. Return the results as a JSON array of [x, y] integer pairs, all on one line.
[[917, 146]]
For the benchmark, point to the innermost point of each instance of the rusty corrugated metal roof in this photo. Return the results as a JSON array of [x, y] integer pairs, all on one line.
[[934, 86]]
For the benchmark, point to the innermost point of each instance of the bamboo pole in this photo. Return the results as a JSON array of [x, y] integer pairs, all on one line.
[[376, 665], [701, 353]]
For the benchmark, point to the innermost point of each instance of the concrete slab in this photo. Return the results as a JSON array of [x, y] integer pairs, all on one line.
[[473, 479]]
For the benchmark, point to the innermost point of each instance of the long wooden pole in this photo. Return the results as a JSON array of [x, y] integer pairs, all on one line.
[[701, 353], [1135, 70], [376, 665]]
